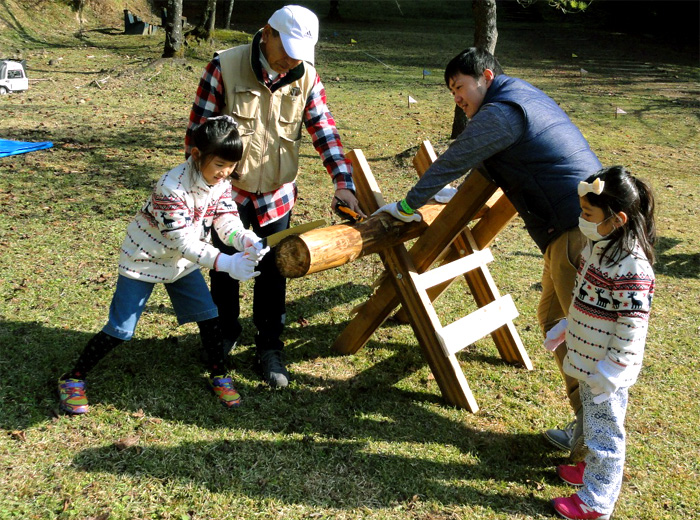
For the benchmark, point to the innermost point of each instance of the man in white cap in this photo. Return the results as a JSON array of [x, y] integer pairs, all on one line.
[[270, 88]]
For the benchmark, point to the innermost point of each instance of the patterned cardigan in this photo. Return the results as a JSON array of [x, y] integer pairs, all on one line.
[[609, 314], [169, 237]]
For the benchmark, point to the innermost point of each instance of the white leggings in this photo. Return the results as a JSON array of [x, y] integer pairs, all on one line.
[[604, 432]]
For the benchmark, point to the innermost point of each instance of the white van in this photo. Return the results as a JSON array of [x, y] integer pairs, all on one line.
[[12, 77]]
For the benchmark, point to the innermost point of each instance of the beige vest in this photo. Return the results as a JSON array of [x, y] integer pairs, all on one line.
[[270, 123]]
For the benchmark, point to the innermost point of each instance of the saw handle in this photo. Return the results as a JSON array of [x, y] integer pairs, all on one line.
[[344, 211]]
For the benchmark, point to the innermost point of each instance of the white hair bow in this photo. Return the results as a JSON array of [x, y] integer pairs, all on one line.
[[595, 187], [226, 118]]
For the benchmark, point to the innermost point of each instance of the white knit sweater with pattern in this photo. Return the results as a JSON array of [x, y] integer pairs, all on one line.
[[609, 313], [169, 237]]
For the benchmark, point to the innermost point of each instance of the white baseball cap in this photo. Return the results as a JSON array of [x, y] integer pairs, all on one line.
[[298, 28]]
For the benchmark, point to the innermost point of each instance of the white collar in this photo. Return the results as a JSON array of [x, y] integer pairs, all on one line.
[[270, 72]]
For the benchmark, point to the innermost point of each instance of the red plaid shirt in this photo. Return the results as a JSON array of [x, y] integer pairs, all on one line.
[[210, 101]]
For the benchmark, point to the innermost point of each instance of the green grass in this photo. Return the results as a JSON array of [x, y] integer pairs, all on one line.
[[365, 436]]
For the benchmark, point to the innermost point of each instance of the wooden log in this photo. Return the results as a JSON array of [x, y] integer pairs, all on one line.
[[332, 246]]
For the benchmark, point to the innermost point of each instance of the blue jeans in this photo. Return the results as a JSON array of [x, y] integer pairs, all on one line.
[[189, 295]]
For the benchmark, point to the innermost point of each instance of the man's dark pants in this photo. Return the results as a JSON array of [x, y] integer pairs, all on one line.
[[269, 291]]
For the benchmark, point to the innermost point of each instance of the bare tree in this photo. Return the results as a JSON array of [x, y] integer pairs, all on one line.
[[485, 37], [174, 47], [229, 11]]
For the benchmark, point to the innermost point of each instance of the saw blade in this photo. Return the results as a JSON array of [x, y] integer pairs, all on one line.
[[275, 238]]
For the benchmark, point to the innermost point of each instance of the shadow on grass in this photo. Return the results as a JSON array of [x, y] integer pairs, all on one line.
[[677, 265], [330, 427], [324, 473], [113, 158]]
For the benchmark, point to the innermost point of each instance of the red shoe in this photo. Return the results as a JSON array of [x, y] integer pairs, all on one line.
[[572, 475], [573, 508]]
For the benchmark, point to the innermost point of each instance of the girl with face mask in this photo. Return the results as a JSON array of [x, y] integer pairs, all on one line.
[[606, 331]]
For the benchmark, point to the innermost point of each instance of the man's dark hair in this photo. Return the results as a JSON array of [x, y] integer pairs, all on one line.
[[472, 62]]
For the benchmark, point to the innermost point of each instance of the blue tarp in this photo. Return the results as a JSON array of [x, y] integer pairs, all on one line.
[[8, 147]]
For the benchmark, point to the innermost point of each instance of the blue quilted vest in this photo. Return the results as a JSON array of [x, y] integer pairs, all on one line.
[[541, 171]]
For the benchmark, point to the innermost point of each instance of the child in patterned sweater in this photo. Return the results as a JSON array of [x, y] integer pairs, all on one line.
[[606, 331], [167, 242]]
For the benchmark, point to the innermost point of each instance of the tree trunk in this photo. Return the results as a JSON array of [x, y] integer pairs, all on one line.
[[485, 36], [205, 30], [173, 30], [79, 5], [229, 11], [334, 12], [485, 30]]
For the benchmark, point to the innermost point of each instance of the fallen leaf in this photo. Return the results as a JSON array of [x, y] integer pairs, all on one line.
[[127, 442], [19, 435]]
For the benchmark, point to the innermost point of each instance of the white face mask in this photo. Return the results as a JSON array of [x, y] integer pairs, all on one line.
[[590, 229]]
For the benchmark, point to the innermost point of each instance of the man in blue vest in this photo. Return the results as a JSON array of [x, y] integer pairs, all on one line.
[[527, 145]]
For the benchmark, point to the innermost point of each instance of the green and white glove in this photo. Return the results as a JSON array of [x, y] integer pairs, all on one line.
[[256, 251], [239, 266], [401, 211], [250, 243]]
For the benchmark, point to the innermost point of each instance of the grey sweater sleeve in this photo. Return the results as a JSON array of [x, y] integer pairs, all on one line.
[[493, 129]]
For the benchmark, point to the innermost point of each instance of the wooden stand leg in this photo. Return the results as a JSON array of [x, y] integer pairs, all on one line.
[[448, 238], [448, 374]]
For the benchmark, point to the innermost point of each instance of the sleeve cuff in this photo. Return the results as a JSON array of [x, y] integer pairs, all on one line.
[[403, 206], [610, 369], [343, 181]]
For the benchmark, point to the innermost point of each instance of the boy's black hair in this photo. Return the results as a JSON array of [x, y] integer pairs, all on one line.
[[472, 62], [624, 192], [218, 137]]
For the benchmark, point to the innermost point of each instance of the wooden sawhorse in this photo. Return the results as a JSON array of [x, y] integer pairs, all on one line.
[[409, 281]]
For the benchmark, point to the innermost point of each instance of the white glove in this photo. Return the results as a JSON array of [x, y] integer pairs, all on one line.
[[445, 194], [397, 210], [239, 266], [555, 335], [256, 251], [606, 381], [249, 242]]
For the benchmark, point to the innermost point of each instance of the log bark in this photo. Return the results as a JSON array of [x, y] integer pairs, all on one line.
[[333, 246]]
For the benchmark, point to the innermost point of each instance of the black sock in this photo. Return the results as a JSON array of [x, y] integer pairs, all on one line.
[[213, 344], [98, 347]]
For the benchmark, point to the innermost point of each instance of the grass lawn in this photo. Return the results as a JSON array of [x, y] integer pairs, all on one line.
[[366, 436]]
